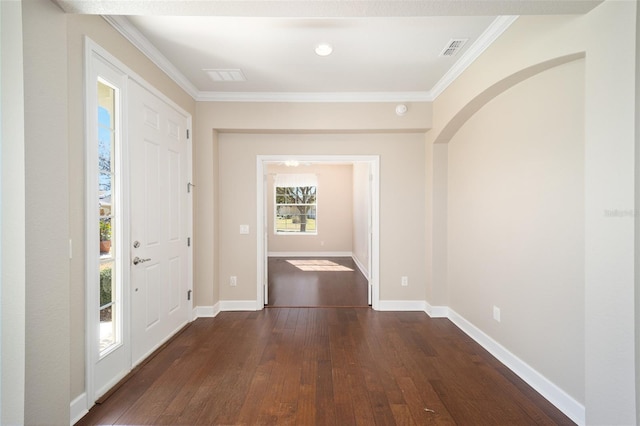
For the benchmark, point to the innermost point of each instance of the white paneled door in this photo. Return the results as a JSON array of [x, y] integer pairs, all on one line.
[[158, 143]]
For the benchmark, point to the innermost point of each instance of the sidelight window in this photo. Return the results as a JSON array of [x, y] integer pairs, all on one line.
[[109, 289]]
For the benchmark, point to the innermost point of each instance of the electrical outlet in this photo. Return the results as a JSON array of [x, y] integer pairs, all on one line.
[[404, 281], [233, 281], [496, 313]]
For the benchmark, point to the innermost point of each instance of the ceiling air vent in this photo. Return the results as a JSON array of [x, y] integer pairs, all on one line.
[[226, 75], [453, 46]]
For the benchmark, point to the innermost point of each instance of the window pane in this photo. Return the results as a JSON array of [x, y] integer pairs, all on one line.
[[105, 144], [109, 314], [106, 284], [295, 209], [104, 183], [106, 235], [106, 105], [107, 305]]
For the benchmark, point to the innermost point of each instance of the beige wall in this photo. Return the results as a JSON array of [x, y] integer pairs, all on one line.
[[361, 213], [12, 218], [637, 215], [47, 378], [516, 223], [104, 35], [334, 210], [531, 45], [401, 203], [317, 117]]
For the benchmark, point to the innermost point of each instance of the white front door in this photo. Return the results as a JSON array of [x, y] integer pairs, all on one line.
[[158, 143]]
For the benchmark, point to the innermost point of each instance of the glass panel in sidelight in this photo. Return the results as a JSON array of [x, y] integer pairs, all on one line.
[[107, 305]]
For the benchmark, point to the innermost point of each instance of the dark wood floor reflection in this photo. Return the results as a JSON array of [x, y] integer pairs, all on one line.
[[324, 366], [306, 282]]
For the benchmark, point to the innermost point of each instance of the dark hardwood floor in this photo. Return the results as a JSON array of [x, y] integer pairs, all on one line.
[[326, 282], [324, 366]]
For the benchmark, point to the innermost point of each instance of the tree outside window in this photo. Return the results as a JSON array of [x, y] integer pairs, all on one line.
[[296, 209]]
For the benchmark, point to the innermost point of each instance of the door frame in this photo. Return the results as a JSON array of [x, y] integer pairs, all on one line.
[[374, 231], [93, 50]]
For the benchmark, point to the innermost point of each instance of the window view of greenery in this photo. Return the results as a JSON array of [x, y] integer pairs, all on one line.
[[296, 209], [107, 221]]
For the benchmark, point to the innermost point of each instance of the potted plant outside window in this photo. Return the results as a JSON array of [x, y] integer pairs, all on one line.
[[105, 236]]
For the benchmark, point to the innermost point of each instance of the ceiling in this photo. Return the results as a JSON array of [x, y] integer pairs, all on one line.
[[382, 50]]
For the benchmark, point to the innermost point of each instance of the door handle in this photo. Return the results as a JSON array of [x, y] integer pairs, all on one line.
[[137, 260]]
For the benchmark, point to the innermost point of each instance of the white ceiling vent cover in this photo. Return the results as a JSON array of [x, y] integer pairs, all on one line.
[[226, 75], [453, 46]]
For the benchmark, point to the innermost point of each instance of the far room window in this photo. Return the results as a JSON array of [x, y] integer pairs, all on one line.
[[296, 202]]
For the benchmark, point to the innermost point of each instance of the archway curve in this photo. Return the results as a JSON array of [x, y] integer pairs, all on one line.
[[473, 106]]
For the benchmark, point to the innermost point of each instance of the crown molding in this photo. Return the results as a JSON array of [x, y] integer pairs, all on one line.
[[124, 27], [497, 27], [314, 97]]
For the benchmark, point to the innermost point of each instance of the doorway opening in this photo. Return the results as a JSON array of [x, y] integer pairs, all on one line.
[[303, 253]]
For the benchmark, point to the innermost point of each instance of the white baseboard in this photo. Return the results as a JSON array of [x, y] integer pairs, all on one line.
[[206, 311], [436, 311], [78, 408], [309, 254], [565, 403], [238, 305], [401, 305]]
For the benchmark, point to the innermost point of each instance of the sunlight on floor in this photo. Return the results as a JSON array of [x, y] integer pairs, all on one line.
[[318, 265]]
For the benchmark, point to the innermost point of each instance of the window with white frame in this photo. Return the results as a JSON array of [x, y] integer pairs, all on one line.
[[107, 194], [296, 202]]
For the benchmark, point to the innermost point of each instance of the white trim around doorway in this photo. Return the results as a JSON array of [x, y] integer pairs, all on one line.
[[262, 251]]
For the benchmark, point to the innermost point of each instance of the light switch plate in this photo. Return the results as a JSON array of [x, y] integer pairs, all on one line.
[[244, 229]]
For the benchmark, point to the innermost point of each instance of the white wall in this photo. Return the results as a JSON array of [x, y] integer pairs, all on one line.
[[12, 217], [516, 224], [334, 211], [361, 211]]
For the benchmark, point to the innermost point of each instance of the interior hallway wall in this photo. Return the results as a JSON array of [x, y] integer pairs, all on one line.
[[47, 367], [609, 170], [361, 213], [401, 203], [516, 224], [12, 217]]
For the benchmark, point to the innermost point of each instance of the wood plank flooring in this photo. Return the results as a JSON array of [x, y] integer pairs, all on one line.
[[324, 366], [326, 282]]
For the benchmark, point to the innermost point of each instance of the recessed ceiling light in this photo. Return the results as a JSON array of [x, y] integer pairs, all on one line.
[[324, 49]]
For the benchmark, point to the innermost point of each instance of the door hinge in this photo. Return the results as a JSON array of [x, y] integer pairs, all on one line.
[[187, 133], [188, 241], [188, 294]]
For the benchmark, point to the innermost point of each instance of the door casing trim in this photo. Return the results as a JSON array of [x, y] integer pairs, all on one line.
[[374, 256]]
